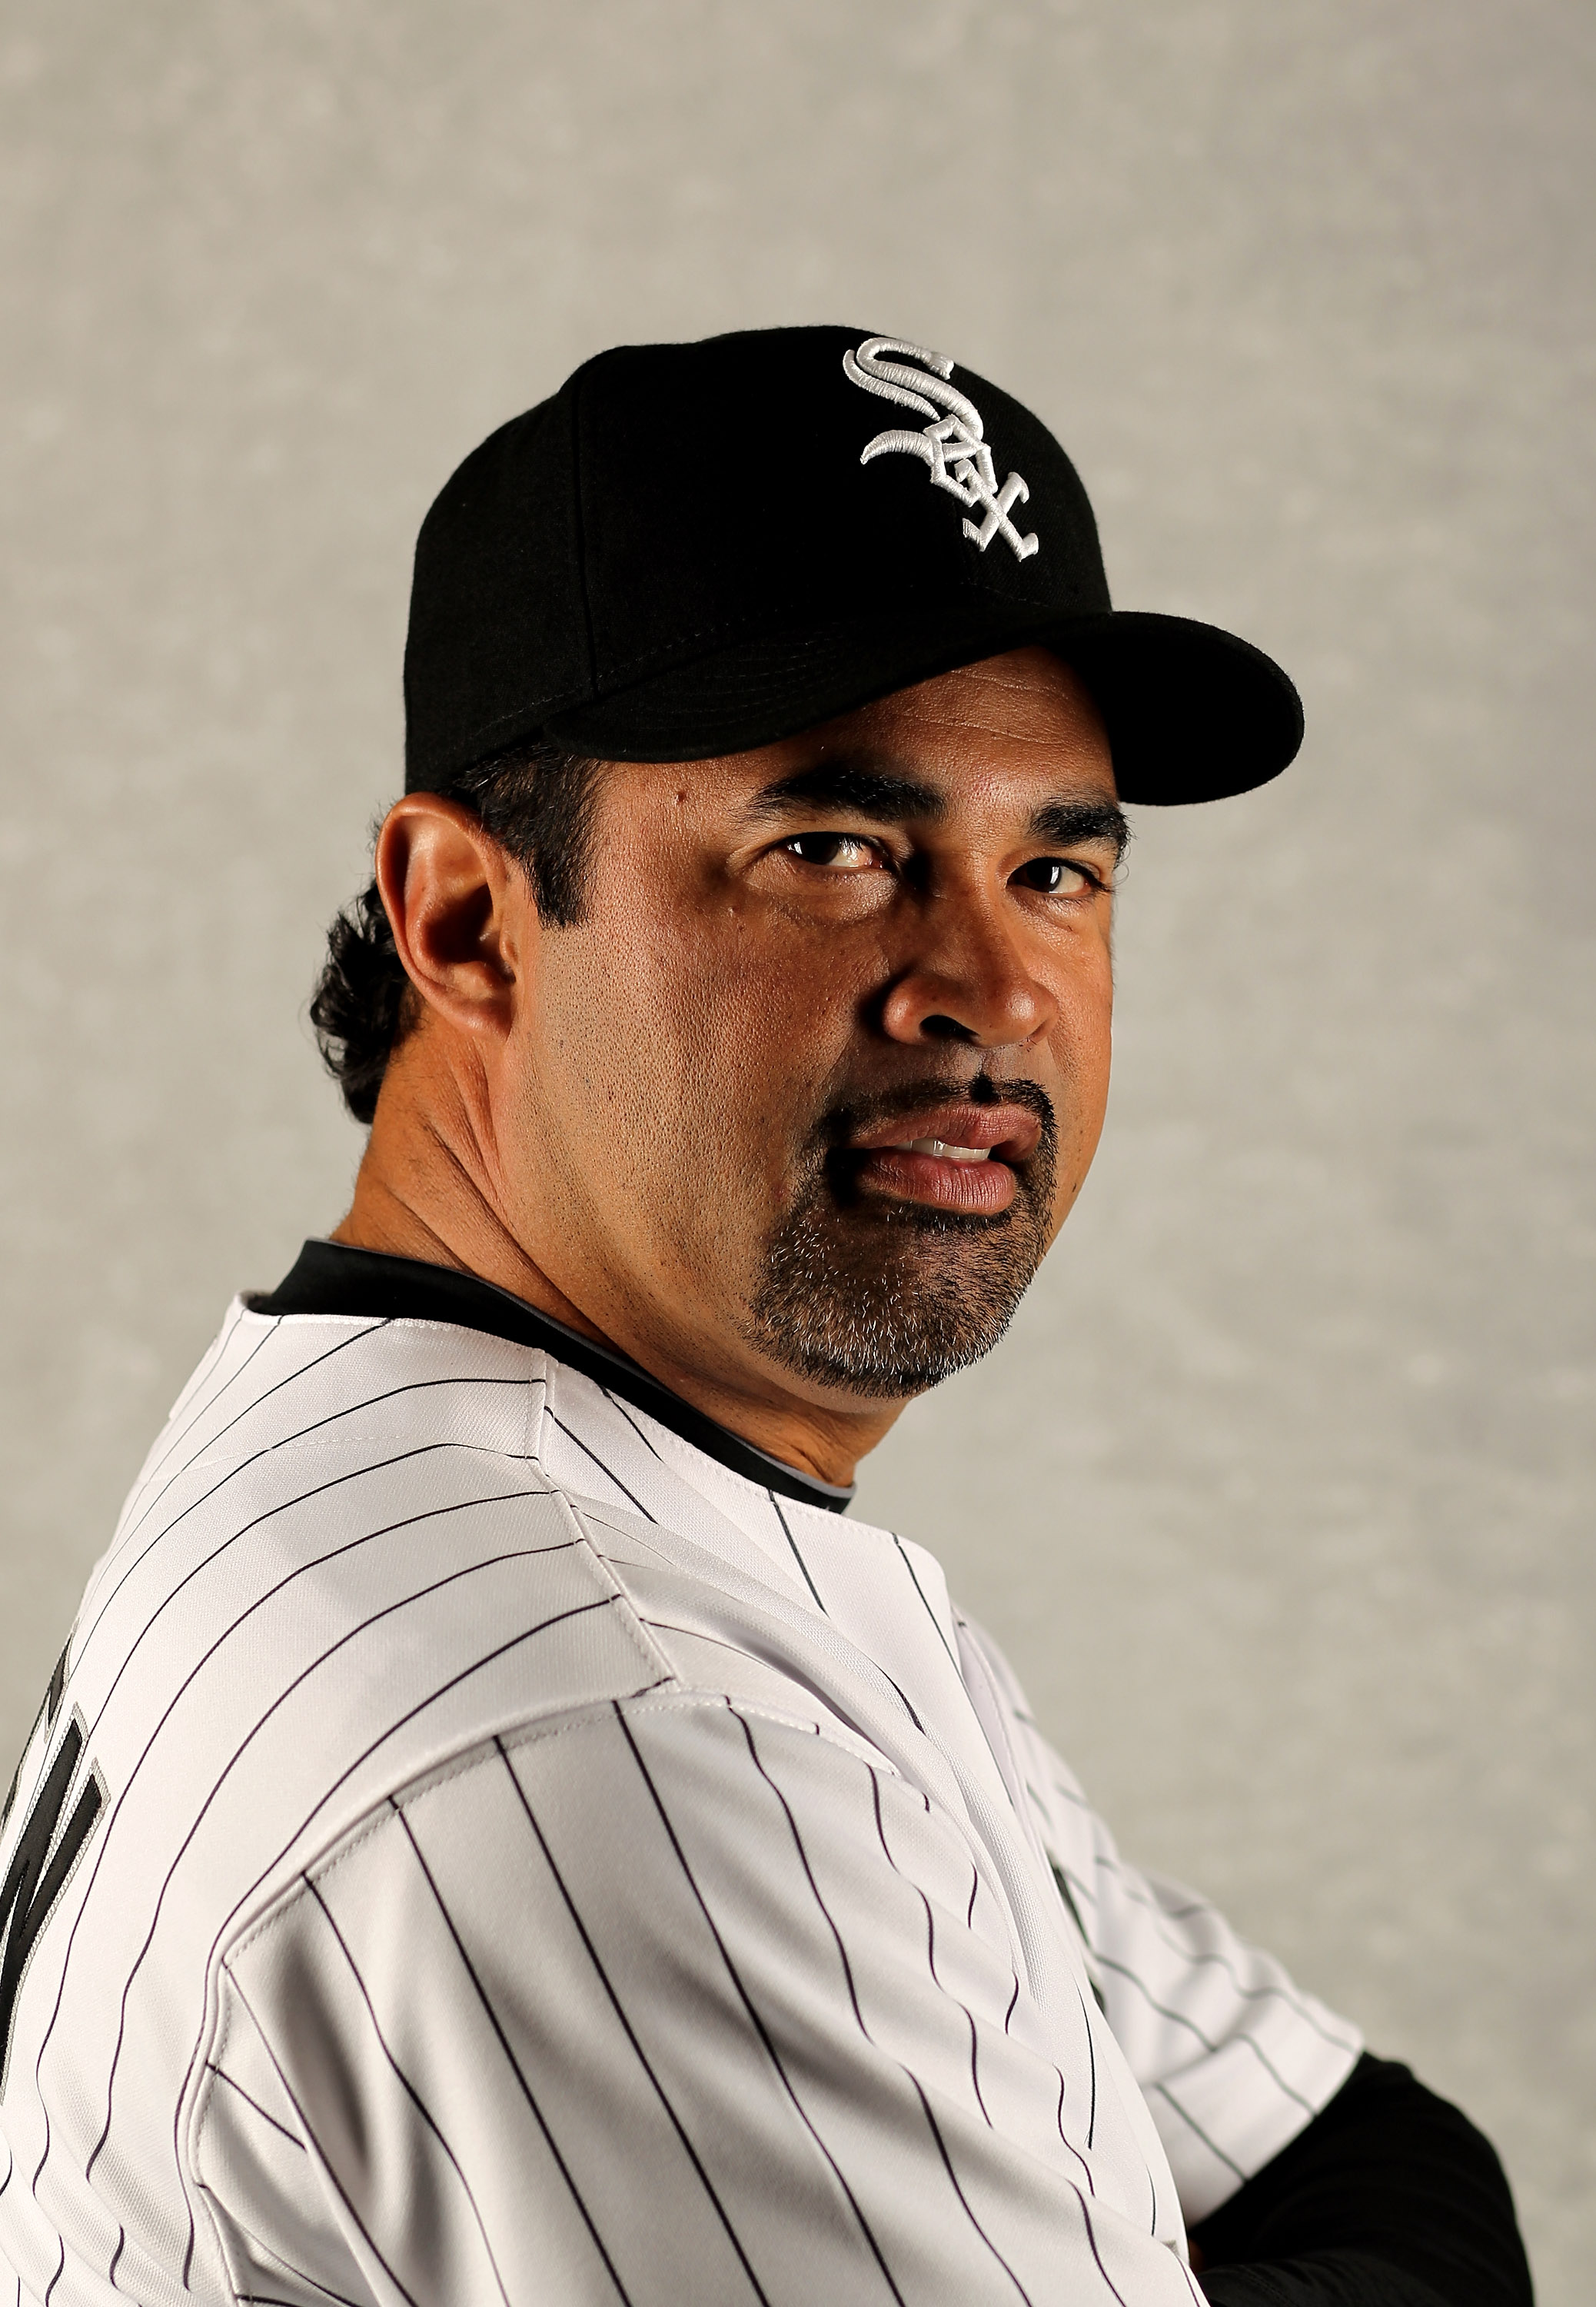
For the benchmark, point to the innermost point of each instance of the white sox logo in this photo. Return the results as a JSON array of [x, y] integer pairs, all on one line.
[[953, 445]]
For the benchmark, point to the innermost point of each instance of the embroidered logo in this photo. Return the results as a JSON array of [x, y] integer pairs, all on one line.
[[953, 444]]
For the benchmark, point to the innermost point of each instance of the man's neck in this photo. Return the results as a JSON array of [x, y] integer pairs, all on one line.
[[382, 1217], [423, 1192]]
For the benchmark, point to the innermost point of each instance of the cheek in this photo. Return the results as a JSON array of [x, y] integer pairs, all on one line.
[[688, 1033], [1083, 1047], [760, 1032]]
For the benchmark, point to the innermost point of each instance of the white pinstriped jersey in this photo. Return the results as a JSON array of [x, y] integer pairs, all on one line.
[[525, 1860]]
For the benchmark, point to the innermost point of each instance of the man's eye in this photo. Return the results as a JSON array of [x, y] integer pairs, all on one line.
[[1055, 877], [848, 851]]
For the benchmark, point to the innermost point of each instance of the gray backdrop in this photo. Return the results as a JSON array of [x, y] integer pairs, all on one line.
[[1280, 1491]]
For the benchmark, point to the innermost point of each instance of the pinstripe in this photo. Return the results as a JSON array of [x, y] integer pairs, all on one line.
[[924, 1603], [792, 1542], [631, 2033], [232, 2084], [1146, 1898], [1270, 1991], [623, 1410], [1189, 1959], [969, 2016], [203, 1403], [409, 2091], [249, 1409], [1091, 2053], [719, 1642], [1058, 2116], [198, 1409], [1160, 1916], [690, 1633], [359, 1763], [352, 1410], [1069, 1881], [365, 1537], [1091, 2236], [746, 2000], [310, 2131], [1212, 2145], [353, 1634], [287, 1506], [907, 2071], [608, 1472], [526, 2091], [1071, 1794], [798, 1843], [947, 2164], [908, 1708], [267, 2299], [299, 2275], [434, 1696], [1179, 2019]]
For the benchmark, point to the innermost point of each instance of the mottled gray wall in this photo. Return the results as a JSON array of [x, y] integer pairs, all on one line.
[[1281, 1491]]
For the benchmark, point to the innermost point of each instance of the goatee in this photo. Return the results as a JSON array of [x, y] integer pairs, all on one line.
[[887, 1298]]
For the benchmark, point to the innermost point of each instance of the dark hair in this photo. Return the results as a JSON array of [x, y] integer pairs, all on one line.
[[536, 800]]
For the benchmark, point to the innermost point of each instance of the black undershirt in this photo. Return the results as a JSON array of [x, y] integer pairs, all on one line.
[[1388, 2197], [329, 1277], [1391, 2198]]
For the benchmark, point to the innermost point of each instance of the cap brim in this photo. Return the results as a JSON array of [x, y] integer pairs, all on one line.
[[1192, 713]]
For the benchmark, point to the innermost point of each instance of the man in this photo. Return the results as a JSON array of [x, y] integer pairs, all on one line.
[[497, 1831]]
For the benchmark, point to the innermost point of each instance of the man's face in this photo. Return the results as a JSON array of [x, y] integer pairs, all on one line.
[[805, 1094]]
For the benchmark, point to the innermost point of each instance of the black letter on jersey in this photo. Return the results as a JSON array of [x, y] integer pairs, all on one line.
[[35, 1876]]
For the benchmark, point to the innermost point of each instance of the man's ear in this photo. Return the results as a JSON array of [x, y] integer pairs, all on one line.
[[462, 915]]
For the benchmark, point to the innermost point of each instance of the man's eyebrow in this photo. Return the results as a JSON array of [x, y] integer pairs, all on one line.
[[894, 797], [888, 795], [1093, 818]]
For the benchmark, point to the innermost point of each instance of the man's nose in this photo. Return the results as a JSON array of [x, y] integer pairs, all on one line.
[[968, 981]]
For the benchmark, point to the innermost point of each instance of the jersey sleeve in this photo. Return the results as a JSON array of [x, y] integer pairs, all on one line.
[[679, 1999], [1234, 2057]]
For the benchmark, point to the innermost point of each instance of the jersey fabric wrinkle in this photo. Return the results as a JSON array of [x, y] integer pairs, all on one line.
[[537, 1862]]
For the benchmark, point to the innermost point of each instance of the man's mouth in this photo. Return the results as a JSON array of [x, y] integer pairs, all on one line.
[[944, 1152], [962, 1157]]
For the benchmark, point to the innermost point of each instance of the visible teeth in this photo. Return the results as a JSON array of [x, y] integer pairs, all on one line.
[[948, 1152]]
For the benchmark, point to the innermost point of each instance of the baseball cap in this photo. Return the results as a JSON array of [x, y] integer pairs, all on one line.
[[695, 549]]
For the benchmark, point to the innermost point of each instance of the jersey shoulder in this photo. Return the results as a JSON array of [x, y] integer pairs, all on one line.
[[347, 1558], [340, 1564]]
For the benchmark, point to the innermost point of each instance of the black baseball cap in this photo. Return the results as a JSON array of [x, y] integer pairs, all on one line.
[[695, 549]]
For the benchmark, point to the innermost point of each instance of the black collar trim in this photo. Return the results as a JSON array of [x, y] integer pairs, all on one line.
[[329, 1277]]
